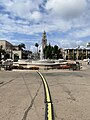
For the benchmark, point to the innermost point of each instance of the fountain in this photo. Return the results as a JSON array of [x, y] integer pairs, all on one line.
[[46, 63], [42, 61], [41, 53]]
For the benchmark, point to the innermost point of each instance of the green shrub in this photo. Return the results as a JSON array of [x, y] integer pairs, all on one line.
[[34, 68]]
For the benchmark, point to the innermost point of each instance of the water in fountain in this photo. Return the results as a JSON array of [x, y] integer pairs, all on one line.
[[41, 53], [42, 60]]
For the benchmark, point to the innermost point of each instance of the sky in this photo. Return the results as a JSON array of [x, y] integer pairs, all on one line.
[[66, 22]]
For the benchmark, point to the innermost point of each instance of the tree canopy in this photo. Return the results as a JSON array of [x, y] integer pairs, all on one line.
[[21, 46], [52, 52], [36, 45]]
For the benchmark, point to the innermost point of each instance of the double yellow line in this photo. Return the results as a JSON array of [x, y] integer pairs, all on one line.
[[49, 115]]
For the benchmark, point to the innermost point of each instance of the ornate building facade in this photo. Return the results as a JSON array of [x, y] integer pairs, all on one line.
[[7, 50], [77, 53], [44, 40]]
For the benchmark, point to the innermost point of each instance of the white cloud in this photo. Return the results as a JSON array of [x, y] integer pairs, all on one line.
[[26, 9], [66, 8], [36, 16], [85, 32], [71, 43], [33, 20]]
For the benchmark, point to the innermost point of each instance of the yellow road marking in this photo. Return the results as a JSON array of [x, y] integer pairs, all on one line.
[[49, 111], [48, 100], [46, 87]]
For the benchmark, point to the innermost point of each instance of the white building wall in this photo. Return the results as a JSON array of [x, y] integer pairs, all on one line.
[[8, 47], [18, 52], [2, 42]]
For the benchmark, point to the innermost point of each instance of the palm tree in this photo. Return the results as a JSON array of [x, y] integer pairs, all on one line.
[[21, 46], [36, 45]]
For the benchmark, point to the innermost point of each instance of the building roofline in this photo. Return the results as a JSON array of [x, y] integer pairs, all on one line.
[[7, 42]]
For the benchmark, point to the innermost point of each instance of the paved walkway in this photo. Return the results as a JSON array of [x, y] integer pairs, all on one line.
[[22, 94]]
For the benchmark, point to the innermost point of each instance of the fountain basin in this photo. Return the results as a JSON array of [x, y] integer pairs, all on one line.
[[45, 62]]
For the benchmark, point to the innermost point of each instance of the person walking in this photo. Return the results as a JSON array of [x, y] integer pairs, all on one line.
[[88, 61]]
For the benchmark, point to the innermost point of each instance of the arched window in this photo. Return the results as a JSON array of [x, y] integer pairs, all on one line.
[[16, 57]]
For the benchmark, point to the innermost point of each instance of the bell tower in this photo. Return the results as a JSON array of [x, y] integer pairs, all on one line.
[[44, 40]]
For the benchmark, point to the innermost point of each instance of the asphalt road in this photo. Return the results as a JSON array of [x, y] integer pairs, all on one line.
[[22, 94]]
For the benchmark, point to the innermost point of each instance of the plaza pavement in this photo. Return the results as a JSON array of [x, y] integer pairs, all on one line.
[[22, 94]]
